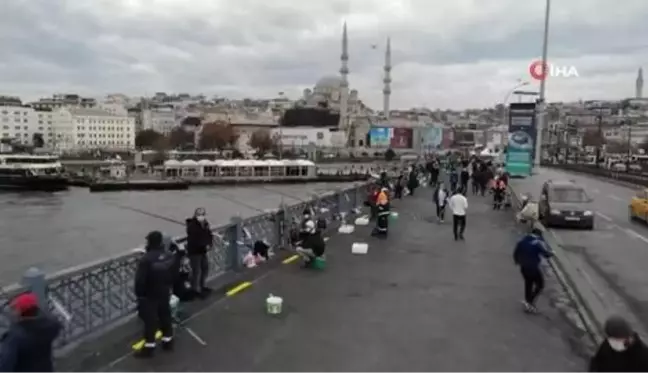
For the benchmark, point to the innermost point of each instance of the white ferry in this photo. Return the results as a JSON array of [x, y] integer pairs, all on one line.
[[31, 172]]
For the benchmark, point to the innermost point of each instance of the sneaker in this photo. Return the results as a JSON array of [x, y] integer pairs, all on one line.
[[145, 353], [525, 305], [167, 345]]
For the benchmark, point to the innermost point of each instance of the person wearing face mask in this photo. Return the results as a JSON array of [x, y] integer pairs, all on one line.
[[312, 246], [199, 240], [27, 344], [621, 351]]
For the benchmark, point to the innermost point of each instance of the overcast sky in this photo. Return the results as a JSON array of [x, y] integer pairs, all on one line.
[[446, 53]]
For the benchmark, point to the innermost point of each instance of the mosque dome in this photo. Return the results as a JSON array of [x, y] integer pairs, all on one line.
[[329, 83]]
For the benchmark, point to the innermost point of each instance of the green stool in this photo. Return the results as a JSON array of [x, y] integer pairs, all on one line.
[[319, 263]]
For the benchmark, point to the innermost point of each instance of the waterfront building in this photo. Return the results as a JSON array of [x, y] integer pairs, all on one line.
[[98, 129], [158, 117], [23, 123]]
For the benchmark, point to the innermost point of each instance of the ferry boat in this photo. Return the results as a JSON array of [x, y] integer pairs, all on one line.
[[32, 172]]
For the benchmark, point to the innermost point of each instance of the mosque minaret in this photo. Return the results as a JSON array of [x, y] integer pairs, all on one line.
[[639, 84], [387, 79], [344, 83]]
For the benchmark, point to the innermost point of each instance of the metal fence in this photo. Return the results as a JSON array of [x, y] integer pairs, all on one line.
[[94, 297]]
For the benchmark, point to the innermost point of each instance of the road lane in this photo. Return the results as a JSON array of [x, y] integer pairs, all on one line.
[[614, 255]]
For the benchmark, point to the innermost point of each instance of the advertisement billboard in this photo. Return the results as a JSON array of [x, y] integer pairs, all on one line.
[[432, 137], [521, 139], [402, 138], [379, 136]]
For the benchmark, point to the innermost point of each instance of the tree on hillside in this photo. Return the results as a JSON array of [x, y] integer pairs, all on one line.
[[592, 137], [390, 154], [218, 135], [147, 139], [180, 138], [262, 141]]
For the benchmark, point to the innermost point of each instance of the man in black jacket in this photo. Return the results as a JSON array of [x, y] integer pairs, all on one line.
[[27, 345], [156, 273], [199, 240], [622, 350]]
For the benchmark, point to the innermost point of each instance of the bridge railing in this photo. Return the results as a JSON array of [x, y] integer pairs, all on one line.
[[95, 297], [630, 177]]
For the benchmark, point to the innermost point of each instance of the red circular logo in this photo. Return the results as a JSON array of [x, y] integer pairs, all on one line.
[[538, 70]]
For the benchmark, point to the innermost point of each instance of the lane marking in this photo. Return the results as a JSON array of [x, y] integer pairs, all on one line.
[[290, 259], [603, 216], [636, 235], [614, 197], [239, 288]]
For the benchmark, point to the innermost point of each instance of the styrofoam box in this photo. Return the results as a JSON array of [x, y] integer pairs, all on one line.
[[362, 221], [359, 248], [346, 229]]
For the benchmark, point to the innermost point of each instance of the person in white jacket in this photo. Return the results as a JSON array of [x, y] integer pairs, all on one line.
[[459, 206]]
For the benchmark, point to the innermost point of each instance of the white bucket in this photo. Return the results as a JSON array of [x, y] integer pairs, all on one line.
[[346, 229], [273, 305], [359, 248]]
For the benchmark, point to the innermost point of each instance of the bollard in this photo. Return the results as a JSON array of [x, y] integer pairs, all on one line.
[[235, 236], [280, 226], [34, 281]]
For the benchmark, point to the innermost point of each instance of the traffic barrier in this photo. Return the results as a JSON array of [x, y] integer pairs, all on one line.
[[93, 298]]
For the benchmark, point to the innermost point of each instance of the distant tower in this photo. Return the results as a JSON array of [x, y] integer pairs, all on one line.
[[387, 79], [639, 84], [344, 84]]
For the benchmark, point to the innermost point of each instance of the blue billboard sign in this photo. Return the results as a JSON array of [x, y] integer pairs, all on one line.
[[380, 136], [520, 148], [432, 137]]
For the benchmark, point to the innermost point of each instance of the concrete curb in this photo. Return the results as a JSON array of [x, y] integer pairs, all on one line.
[[589, 308]]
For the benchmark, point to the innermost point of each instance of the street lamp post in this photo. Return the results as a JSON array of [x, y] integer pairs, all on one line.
[[541, 100]]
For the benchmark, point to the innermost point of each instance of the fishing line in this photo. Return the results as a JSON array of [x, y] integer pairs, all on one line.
[[147, 213]]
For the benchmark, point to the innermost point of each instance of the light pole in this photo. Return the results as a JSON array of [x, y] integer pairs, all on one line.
[[520, 84], [541, 114]]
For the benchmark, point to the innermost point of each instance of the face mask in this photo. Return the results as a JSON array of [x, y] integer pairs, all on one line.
[[200, 218], [617, 344]]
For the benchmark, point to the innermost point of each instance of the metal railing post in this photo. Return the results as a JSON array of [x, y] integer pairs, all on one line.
[[235, 237], [280, 226], [34, 281]]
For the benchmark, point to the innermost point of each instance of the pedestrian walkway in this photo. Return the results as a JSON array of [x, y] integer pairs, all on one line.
[[418, 301]]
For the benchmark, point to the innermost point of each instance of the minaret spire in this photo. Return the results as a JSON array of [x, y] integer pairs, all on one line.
[[344, 81], [387, 79], [639, 84]]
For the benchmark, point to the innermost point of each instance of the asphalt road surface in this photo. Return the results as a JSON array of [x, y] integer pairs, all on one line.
[[418, 301], [614, 256]]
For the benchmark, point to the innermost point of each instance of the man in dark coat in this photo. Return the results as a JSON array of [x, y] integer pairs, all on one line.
[[622, 350], [199, 240], [27, 345], [156, 274]]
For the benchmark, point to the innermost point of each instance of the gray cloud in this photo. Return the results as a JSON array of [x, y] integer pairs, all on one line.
[[446, 54]]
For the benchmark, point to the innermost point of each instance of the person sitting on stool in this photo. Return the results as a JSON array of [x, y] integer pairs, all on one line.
[[156, 273], [312, 246]]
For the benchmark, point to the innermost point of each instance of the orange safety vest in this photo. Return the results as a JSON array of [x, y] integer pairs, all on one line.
[[382, 198]]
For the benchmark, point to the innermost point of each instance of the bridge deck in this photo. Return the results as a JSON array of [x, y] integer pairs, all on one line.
[[418, 301]]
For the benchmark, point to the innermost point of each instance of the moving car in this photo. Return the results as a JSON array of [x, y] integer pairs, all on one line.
[[638, 209], [565, 203]]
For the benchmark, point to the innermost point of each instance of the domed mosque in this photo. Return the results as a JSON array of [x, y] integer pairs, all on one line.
[[333, 92]]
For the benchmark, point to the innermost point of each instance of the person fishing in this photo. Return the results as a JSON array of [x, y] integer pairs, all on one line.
[[382, 221], [154, 279], [199, 240], [312, 245]]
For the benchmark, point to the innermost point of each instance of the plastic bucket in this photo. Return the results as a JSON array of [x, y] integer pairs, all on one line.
[[319, 263], [274, 305]]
